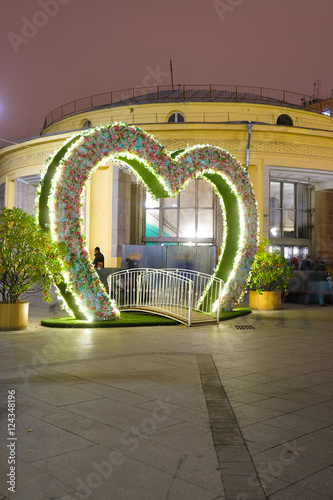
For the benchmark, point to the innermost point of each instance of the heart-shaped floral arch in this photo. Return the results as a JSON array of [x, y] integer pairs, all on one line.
[[163, 174]]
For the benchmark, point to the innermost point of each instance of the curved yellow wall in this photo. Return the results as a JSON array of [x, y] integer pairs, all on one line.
[[306, 145]]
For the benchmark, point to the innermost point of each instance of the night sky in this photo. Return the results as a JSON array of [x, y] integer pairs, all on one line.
[[55, 51]]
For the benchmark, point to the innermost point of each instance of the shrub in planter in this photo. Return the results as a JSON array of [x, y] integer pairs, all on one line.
[[28, 256], [270, 271]]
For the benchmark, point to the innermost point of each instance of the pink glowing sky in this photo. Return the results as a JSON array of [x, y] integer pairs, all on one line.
[[82, 47]]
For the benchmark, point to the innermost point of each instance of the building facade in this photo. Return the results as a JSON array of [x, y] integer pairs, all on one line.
[[285, 140]]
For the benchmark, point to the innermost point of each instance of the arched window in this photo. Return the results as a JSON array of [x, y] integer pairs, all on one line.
[[87, 124], [285, 120], [176, 118]]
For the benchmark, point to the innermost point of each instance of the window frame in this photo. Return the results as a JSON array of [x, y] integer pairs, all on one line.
[[162, 207]]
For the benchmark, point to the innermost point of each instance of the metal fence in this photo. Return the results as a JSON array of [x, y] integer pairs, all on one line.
[[174, 93], [169, 292]]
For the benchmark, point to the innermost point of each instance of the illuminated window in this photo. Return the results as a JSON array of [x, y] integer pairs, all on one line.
[[176, 118], [189, 217], [289, 210]]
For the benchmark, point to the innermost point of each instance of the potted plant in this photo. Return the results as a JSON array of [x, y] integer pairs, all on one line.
[[28, 264], [269, 276]]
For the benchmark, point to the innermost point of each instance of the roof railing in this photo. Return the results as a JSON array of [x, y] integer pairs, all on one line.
[[178, 93]]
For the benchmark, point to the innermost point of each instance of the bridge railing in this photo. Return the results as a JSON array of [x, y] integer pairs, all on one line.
[[161, 291], [170, 292], [204, 300]]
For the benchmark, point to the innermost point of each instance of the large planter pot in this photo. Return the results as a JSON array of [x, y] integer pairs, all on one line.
[[14, 316], [266, 301]]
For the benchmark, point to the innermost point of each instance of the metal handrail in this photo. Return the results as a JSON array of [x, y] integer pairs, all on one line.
[[164, 292], [168, 93], [169, 292]]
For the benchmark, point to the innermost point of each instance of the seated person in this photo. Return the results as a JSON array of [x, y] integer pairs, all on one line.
[[318, 265]]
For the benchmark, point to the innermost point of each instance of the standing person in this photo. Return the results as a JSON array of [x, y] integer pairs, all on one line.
[[99, 258]]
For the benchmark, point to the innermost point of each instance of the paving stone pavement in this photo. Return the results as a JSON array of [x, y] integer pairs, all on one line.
[[237, 411]]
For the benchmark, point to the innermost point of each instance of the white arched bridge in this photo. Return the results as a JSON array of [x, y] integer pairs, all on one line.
[[181, 294]]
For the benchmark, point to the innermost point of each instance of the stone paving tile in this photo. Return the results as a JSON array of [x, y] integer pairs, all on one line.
[[55, 393], [304, 397], [255, 448], [244, 396], [321, 412], [171, 392], [316, 449], [182, 413], [88, 428], [281, 405], [325, 434], [195, 467], [290, 467], [123, 416], [38, 439], [103, 473], [32, 483], [296, 492], [321, 482], [107, 391], [296, 422], [250, 414], [268, 435]]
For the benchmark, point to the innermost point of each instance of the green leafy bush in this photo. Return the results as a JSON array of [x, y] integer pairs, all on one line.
[[270, 271], [28, 257]]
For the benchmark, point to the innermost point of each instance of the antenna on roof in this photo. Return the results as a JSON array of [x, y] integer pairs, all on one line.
[[171, 71], [316, 90]]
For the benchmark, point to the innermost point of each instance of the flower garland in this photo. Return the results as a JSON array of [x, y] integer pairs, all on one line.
[[159, 173]]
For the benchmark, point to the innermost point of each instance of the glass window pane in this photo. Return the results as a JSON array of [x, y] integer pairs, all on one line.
[[169, 202], [288, 253], [303, 224], [2, 194], [205, 223], [169, 223], [289, 223], [187, 223], [205, 194], [275, 223], [301, 196], [152, 222], [288, 195], [275, 194], [151, 202], [187, 197]]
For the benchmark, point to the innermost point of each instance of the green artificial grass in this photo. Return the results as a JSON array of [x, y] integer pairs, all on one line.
[[130, 319], [240, 311], [126, 319]]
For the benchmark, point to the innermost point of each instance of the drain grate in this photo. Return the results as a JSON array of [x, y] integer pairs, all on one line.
[[245, 327]]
